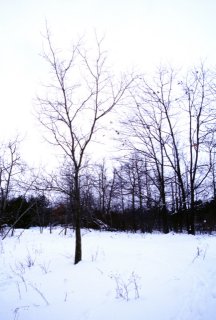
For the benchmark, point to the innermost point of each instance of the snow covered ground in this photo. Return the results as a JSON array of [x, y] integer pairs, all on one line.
[[122, 276]]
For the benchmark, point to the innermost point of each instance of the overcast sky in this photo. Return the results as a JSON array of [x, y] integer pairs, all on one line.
[[138, 33]]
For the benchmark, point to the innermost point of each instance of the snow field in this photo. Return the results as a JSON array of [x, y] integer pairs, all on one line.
[[122, 276]]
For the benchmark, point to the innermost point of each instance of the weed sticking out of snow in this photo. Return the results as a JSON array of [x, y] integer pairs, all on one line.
[[45, 267], [30, 260], [200, 252], [127, 289]]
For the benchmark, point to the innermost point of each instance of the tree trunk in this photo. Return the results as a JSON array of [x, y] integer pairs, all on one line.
[[191, 226], [78, 241], [164, 214], [77, 207]]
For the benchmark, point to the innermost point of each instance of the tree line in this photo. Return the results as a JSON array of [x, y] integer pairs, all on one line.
[[125, 199], [164, 176]]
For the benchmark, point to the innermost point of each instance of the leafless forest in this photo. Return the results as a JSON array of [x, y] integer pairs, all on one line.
[[164, 177]]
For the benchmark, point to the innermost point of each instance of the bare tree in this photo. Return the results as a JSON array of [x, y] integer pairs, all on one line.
[[171, 124], [146, 136], [197, 104], [105, 185], [11, 168], [211, 144], [81, 94]]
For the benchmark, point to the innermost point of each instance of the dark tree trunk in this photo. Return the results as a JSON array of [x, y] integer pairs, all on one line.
[[164, 220], [78, 244], [163, 210], [191, 225], [77, 207]]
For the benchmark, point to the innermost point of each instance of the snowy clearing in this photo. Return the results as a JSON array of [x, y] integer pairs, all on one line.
[[122, 276]]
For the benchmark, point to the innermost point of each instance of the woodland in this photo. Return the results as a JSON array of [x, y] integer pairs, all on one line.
[[164, 175]]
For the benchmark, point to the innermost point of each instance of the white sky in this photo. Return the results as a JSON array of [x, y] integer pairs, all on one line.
[[139, 34]]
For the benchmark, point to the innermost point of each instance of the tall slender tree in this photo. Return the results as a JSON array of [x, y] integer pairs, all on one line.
[[81, 94]]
